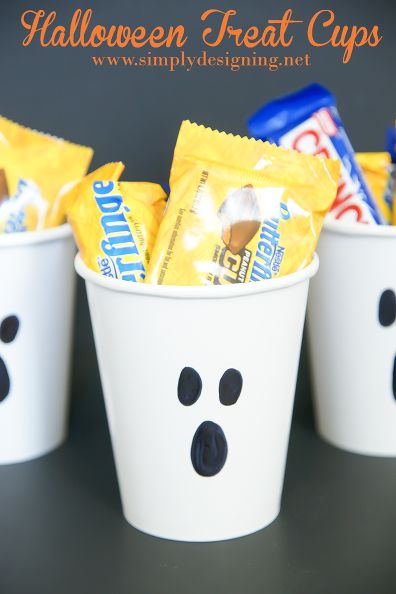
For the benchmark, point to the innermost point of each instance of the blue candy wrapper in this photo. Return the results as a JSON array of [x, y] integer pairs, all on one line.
[[390, 142], [390, 145], [308, 121]]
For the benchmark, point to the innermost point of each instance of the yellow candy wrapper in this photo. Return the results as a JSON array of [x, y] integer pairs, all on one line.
[[376, 169], [35, 168], [115, 224], [390, 192], [240, 210], [66, 203]]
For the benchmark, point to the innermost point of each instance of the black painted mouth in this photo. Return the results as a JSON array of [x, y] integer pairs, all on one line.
[[209, 449], [4, 381]]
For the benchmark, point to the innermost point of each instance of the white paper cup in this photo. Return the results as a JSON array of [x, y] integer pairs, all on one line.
[[352, 353], [36, 303], [145, 335]]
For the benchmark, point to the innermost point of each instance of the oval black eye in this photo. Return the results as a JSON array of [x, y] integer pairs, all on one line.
[[394, 378], [230, 387], [9, 328], [387, 308], [189, 386]]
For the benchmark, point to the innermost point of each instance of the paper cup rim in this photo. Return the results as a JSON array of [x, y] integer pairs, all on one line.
[[31, 237], [348, 228], [197, 292]]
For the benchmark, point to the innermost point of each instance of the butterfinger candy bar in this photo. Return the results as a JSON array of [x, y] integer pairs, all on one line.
[[239, 210], [376, 168], [38, 168], [239, 234], [240, 217], [115, 223], [4, 193], [308, 121], [25, 210]]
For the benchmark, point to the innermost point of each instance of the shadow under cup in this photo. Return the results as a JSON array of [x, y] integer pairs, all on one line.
[[199, 385], [36, 306], [352, 337]]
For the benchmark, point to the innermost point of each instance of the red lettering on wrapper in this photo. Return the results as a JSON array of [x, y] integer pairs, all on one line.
[[314, 139], [351, 207], [308, 142], [340, 199]]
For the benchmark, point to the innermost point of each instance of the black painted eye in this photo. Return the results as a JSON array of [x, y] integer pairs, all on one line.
[[189, 386], [9, 328], [394, 378], [230, 387], [387, 308]]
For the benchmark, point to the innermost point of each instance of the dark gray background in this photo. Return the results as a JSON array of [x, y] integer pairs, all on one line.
[[61, 528]]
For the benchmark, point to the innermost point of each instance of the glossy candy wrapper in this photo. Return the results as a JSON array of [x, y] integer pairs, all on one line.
[[376, 168], [35, 169], [240, 210], [390, 145], [308, 121], [390, 142], [115, 223]]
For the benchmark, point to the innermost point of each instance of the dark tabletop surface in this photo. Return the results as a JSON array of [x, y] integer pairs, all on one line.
[[62, 529]]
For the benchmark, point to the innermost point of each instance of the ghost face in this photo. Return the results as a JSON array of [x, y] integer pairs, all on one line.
[[209, 444], [8, 331]]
